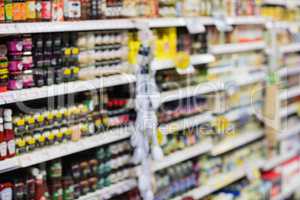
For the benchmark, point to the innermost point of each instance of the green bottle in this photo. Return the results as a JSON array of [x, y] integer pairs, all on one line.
[[8, 10]]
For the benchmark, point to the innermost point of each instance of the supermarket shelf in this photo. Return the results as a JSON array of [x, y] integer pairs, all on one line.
[[275, 2], [202, 59], [210, 86], [290, 131], [232, 68], [293, 187], [286, 25], [214, 184], [165, 22], [235, 114], [274, 162], [195, 60], [157, 65], [180, 21], [175, 21], [251, 78], [289, 71], [109, 24], [235, 142], [282, 2], [290, 93], [47, 27], [290, 48], [220, 70], [57, 151], [182, 155], [64, 88], [188, 122], [190, 91], [236, 48], [115, 189], [289, 110], [247, 20]]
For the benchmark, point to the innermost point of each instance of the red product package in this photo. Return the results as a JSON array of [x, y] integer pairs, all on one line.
[[9, 133], [3, 144], [46, 10]]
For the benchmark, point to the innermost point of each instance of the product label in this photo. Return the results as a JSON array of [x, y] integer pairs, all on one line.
[[74, 9], [183, 63], [161, 137], [12, 147], [38, 9], [3, 149], [30, 10], [222, 125], [19, 11], [20, 122], [58, 11], [21, 142], [2, 13], [41, 138], [91, 128], [6, 194], [30, 120], [40, 118], [46, 10], [67, 72], [8, 11]]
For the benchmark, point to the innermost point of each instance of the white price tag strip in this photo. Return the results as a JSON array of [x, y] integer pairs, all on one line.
[[194, 25], [292, 4], [9, 164], [221, 23], [189, 70]]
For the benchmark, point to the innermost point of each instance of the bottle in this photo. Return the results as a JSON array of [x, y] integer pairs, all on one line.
[[6, 191], [8, 10], [85, 5], [39, 188], [72, 9], [2, 12], [18, 10], [46, 10], [30, 10], [38, 10], [9, 133], [58, 10], [3, 144]]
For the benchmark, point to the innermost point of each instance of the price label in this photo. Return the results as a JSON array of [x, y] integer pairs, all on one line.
[[194, 25]]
